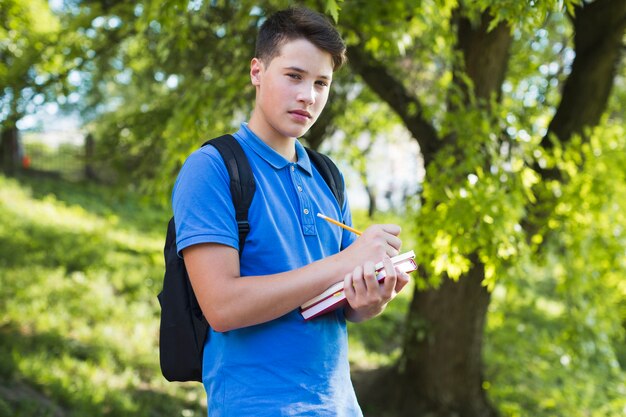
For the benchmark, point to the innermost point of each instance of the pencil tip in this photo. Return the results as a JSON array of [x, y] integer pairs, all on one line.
[[320, 215]]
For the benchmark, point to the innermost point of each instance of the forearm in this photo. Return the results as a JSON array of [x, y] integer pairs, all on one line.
[[257, 299], [231, 302]]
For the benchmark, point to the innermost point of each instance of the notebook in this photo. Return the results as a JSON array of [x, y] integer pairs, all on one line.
[[333, 297]]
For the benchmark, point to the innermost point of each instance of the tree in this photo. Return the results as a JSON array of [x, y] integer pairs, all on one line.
[[467, 149], [27, 30], [38, 65]]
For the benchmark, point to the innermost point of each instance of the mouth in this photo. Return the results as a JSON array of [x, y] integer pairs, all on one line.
[[303, 114]]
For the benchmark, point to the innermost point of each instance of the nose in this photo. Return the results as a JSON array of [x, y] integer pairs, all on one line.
[[307, 94]]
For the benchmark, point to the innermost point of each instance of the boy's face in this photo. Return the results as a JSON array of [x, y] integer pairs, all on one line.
[[292, 90]]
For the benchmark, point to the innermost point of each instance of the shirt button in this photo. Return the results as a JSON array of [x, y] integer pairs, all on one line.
[[293, 168], [306, 211], [299, 188]]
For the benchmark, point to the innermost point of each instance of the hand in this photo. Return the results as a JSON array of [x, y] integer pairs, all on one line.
[[366, 296], [375, 242]]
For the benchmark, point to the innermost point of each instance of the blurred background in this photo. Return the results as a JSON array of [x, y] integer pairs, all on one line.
[[493, 131]]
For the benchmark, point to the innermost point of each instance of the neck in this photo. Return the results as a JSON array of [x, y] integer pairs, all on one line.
[[284, 145]]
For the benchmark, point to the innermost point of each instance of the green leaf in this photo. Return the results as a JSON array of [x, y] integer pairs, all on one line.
[[332, 8]]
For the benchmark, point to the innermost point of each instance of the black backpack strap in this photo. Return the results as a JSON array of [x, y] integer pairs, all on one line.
[[241, 181], [330, 173]]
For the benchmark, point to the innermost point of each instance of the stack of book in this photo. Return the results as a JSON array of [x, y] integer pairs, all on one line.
[[334, 296]]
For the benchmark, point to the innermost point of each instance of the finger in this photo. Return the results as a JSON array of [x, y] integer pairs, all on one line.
[[394, 241], [390, 277], [348, 288], [358, 283], [369, 277], [383, 229], [390, 251], [402, 279]]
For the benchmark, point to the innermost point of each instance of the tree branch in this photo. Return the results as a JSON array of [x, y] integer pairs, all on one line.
[[599, 30], [391, 90], [485, 54]]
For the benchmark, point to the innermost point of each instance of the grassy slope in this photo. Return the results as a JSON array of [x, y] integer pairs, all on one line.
[[80, 270]]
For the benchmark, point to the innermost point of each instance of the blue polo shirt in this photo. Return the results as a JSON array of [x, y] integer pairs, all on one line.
[[285, 367]]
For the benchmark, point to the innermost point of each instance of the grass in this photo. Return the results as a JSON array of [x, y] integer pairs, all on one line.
[[81, 268]]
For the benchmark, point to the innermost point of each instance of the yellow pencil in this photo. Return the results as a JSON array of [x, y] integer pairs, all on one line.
[[333, 221]]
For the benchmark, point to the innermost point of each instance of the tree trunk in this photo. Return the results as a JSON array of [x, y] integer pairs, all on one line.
[[485, 55], [371, 197], [441, 365], [90, 152], [9, 153], [441, 368], [440, 373]]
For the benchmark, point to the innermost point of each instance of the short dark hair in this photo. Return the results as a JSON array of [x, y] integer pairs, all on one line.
[[299, 23]]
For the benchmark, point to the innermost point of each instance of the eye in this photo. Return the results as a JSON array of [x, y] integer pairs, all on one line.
[[322, 83], [294, 75]]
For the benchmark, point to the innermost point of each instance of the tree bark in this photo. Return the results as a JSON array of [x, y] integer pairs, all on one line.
[[442, 353], [90, 152], [485, 57]]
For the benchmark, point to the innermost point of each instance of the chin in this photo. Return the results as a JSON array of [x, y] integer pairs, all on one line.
[[296, 133]]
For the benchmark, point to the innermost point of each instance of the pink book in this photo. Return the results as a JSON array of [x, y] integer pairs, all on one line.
[[334, 296]]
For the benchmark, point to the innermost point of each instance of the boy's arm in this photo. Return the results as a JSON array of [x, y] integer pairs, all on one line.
[[229, 301]]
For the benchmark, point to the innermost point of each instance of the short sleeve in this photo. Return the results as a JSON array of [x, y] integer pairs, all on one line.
[[202, 202]]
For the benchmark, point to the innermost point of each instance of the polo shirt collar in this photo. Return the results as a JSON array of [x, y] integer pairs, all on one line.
[[272, 157]]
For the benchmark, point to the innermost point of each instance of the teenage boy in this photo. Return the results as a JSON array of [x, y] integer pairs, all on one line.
[[262, 358]]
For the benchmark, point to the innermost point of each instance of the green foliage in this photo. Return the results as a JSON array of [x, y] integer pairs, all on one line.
[[474, 203], [520, 13], [565, 313], [332, 8], [67, 160], [539, 363], [181, 72], [27, 57]]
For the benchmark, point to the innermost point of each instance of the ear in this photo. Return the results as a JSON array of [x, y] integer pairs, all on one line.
[[256, 68]]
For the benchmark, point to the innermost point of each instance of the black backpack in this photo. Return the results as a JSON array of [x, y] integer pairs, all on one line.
[[183, 328]]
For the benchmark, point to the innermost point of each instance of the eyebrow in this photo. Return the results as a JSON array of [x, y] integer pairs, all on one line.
[[303, 71]]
